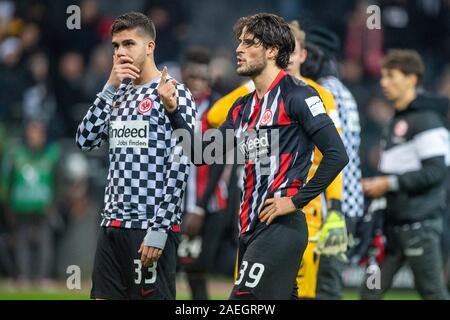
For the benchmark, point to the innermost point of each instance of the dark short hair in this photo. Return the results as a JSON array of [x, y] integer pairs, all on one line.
[[407, 61], [271, 31], [133, 20], [197, 54]]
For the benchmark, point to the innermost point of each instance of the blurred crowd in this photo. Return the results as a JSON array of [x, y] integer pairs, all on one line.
[[50, 74]]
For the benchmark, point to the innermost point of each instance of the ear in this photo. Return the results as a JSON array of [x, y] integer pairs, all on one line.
[[303, 55], [150, 48], [413, 80], [272, 53]]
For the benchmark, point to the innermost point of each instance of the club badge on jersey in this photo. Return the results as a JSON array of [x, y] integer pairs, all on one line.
[[145, 105]]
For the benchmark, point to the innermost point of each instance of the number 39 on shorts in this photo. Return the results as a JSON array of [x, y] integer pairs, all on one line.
[[254, 274]]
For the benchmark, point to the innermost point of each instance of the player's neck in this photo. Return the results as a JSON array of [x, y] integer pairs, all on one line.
[[297, 75], [149, 72], [403, 102], [264, 79]]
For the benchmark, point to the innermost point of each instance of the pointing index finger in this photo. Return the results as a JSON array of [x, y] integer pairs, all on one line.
[[163, 76]]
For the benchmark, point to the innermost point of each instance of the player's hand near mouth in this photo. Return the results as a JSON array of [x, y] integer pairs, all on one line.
[[122, 69]]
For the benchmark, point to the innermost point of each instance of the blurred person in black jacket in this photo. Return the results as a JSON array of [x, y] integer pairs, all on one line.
[[413, 173]]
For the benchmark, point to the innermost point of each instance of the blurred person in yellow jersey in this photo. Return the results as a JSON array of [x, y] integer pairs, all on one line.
[[328, 201], [321, 205]]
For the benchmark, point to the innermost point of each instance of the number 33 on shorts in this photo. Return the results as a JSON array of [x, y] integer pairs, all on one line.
[[254, 274], [151, 278]]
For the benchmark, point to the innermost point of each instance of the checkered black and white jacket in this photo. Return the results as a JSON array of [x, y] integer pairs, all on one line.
[[147, 172], [352, 195]]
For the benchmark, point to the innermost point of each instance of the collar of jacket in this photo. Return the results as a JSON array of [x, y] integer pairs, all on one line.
[[426, 101]]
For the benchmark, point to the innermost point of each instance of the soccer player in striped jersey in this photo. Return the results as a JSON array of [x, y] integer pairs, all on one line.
[[273, 227], [137, 246], [318, 207]]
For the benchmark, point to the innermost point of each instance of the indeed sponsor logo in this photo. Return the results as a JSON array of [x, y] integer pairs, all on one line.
[[128, 134], [250, 145]]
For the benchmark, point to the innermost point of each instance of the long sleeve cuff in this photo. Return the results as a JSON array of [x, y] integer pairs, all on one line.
[[298, 201], [173, 115], [155, 239], [108, 93], [393, 183]]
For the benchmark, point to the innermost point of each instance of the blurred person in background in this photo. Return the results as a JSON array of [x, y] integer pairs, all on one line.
[[69, 91], [378, 114], [170, 18], [30, 40], [28, 174], [206, 197], [97, 72], [223, 76], [62, 40], [76, 195], [321, 65], [363, 47], [325, 209], [77, 216], [13, 77], [38, 97], [412, 178]]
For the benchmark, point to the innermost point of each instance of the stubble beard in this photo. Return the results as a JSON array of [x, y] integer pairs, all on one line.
[[253, 70]]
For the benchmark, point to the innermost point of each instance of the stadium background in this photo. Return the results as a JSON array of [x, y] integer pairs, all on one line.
[[52, 73]]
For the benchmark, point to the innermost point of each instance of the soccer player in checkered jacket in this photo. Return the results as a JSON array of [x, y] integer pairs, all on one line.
[[137, 245]]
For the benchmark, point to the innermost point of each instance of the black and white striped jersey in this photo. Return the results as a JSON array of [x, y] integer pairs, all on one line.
[[146, 180], [274, 137], [352, 195]]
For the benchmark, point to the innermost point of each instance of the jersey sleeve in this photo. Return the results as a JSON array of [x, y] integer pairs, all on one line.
[[177, 171], [305, 106], [334, 190], [93, 129]]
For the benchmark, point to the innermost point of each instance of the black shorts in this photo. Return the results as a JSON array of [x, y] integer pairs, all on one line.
[[118, 272], [198, 254], [269, 259]]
